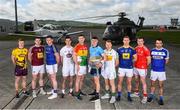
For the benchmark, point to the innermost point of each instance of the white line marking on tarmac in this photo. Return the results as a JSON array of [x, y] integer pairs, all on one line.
[[98, 104]]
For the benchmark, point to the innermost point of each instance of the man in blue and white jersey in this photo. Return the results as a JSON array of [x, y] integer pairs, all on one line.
[[159, 59], [127, 55], [95, 61], [52, 61]]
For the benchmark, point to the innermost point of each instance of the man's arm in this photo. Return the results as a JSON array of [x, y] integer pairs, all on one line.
[[57, 57], [30, 55]]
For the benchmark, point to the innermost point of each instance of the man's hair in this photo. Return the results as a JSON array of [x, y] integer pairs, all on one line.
[[126, 37], [159, 39], [37, 37], [81, 35], [49, 36], [67, 37], [20, 39], [109, 41], [140, 38], [95, 37]]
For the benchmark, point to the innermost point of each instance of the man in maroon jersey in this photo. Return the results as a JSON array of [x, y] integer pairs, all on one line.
[[36, 58]]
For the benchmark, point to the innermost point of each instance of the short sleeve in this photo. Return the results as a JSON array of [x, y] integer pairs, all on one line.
[[61, 52], [14, 52], [101, 51], [55, 49], [167, 54]]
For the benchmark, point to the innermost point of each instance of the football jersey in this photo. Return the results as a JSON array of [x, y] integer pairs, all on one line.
[[50, 57], [95, 54], [158, 59], [111, 56], [20, 56], [82, 53], [126, 57], [37, 55], [67, 54], [142, 54]]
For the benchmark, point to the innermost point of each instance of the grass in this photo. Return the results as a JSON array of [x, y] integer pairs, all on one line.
[[172, 37]]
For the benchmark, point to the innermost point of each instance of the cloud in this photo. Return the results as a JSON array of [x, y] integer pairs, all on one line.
[[155, 11]]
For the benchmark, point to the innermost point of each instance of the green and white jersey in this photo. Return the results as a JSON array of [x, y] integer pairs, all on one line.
[[109, 64]]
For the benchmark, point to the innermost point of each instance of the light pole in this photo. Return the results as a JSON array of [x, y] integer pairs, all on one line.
[[16, 18]]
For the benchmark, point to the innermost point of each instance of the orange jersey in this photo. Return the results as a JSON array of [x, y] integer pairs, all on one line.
[[142, 54], [82, 53]]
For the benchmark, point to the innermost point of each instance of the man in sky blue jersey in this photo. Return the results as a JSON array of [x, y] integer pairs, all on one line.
[[159, 59], [52, 61], [126, 57], [95, 61]]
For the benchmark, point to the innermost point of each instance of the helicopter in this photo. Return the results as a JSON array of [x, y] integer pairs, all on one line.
[[123, 27]]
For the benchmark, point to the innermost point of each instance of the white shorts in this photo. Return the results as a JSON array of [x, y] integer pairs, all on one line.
[[38, 69], [82, 70], [68, 70], [52, 69], [125, 72], [140, 72], [161, 76], [108, 73]]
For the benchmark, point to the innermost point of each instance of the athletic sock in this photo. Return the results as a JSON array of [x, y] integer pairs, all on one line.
[[63, 91], [129, 94], [119, 93], [113, 94], [145, 95], [160, 97], [55, 91], [71, 90]]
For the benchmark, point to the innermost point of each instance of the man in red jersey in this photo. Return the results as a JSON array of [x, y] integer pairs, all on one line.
[[36, 58], [140, 68]]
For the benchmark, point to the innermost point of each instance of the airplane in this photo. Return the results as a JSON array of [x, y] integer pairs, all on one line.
[[49, 29]]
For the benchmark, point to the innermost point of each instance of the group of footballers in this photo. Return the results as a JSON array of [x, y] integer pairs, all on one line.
[[79, 60]]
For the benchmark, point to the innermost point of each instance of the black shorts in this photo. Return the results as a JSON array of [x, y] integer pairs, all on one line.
[[95, 72], [20, 71]]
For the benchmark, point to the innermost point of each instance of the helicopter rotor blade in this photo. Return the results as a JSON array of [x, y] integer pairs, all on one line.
[[94, 17]]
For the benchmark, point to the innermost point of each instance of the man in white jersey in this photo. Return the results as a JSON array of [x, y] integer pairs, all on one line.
[[66, 54], [109, 74]]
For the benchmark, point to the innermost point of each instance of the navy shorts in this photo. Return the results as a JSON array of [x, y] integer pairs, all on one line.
[[20, 71], [95, 72]]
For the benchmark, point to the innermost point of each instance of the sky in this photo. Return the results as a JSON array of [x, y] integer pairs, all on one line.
[[156, 12]]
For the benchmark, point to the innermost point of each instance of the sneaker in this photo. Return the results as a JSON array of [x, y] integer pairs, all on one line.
[[150, 99], [26, 93], [93, 99], [50, 92], [129, 99], [42, 92], [62, 95], [93, 93], [106, 96], [118, 98], [34, 95], [161, 102], [135, 94], [53, 96], [112, 100], [78, 97], [144, 100], [83, 94], [17, 95]]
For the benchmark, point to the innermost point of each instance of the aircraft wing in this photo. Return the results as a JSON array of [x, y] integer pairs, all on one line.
[[72, 33]]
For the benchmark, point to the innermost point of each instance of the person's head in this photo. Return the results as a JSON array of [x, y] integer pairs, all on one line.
[[108, 44], [126, 40], [49, 40], [140, 41], [94, 41], [159, 43], [20, 43], [37, 41], [81, 39], [68, 40]]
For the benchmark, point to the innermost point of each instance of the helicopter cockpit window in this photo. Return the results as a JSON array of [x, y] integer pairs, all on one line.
[[48, 28]]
